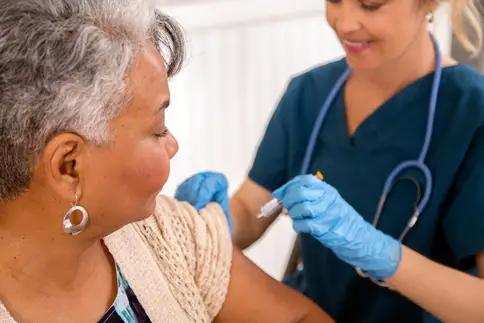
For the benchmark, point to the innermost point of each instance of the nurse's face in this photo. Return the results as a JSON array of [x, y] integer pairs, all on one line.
[[375, 32]]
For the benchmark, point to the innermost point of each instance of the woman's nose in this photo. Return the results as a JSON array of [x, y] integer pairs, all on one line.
[[171, 145]]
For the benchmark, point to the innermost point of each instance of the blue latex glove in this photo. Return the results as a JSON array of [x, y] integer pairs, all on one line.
[[203, 188], [317, 209]]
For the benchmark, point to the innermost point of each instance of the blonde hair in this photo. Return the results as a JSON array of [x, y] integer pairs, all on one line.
[[466, 23]]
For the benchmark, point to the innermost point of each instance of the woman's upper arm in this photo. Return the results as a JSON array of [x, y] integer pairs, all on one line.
[[253, 297]]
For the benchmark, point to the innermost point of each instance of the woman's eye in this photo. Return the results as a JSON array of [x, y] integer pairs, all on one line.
[[162, 134]]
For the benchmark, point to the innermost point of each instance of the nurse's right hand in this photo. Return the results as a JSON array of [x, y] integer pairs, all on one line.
[[317, 209], [204, 188]]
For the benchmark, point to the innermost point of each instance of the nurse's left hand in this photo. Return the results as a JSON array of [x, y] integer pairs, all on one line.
[[317, 209], [203, 188]]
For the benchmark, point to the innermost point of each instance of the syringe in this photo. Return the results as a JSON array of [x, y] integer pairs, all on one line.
[[275, 207], [271, 208]]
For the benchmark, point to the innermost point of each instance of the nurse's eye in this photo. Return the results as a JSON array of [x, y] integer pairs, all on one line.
[[371, 6], [334, 1]]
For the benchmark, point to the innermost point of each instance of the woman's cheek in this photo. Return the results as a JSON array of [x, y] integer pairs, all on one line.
[[153, 169]]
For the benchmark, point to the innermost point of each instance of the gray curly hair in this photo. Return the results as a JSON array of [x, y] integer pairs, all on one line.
[[63, 65]]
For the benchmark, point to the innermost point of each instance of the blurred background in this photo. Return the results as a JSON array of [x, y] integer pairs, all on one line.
[[241, 55]]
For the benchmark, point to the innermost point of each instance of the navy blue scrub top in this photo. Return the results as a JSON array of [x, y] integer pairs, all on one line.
[[450, 230]]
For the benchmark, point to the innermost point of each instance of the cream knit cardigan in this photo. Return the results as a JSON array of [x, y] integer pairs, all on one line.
[[177, 262]]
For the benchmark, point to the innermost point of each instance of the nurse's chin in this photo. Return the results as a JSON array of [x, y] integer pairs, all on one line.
[[356, 62]]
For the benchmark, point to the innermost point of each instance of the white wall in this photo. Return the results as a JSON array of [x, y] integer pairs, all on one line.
[[241, 56]]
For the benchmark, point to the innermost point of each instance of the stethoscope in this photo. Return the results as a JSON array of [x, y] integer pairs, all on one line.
[[419, 163]]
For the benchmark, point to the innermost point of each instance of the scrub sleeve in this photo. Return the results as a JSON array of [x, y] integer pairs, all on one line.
[[464, 221]]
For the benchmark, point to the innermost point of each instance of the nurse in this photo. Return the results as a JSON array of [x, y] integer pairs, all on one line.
[[396, 102]]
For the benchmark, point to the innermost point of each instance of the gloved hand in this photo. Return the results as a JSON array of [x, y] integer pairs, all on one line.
[[317, 209], [203, 188]]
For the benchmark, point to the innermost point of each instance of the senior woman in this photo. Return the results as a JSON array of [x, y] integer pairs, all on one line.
[[84, 153]]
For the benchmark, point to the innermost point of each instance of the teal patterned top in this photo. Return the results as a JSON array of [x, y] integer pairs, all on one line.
[[126, 307]]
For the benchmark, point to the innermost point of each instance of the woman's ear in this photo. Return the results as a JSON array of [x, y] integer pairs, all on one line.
[[59, 164]]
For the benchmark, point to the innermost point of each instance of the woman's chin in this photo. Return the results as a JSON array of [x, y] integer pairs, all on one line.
[[151, 206], [146, 210]]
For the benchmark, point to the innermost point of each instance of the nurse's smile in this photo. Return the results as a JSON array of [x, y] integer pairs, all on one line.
[[353, 47]]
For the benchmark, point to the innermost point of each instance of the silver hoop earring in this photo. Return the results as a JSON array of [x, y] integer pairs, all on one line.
[[430, 17], [72, 229]]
